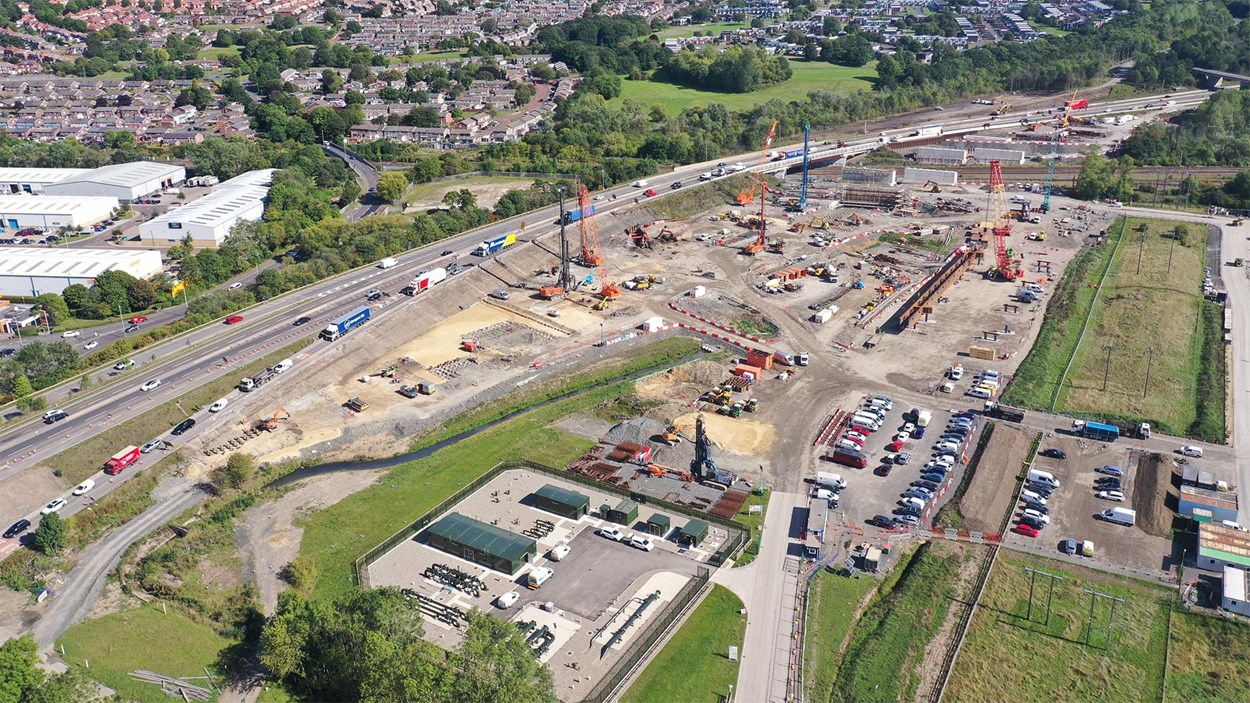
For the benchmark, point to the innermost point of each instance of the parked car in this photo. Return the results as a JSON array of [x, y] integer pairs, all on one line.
[[1032, 522], [611, 533], [17, 528], [1054, 453], [883, 470], [1116, 496], [1026, 530], [507, 600], [877, 520], [908, 510], [53, 507], [1188, 450], [930, 486], [642, 543], [1110, 470]]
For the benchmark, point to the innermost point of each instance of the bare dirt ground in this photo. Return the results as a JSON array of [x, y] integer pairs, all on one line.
[[683, 384], [1153, 492], [13, 608], [993, 485], [268, 538], [24, 491], [739, 435]]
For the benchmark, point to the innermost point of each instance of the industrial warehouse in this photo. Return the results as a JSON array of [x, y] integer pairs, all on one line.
[[47, 212], [32, 272], [209, 220], [126, 182]]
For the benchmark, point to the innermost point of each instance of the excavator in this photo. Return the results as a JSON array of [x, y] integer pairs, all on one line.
[[672, 434], [271, 424], [720, 395]]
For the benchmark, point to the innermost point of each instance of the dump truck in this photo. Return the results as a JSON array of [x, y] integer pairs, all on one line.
[[345, 324], [1096, 430], [357, 405], [1002, 412], [248, 385]]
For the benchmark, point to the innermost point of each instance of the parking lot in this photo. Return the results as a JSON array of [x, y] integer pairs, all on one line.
[[1074, 504]]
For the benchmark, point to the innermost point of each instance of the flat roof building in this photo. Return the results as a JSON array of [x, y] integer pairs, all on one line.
[[34, 271], [482, 543], [1207, 505], [693, 533], [49, 212], [1220, 546], [127, 182], [1233, 598], [33, 180], [210, 219]]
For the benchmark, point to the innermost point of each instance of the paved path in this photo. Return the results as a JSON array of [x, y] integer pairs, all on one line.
[[1238, 286], [767, 587]]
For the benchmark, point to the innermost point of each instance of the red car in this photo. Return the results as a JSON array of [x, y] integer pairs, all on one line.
[[138, 319], [650, 193], [861, 429], [233, 319], [1023, 529]]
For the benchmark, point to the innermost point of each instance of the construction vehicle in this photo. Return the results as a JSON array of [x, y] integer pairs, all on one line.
[[667, 235], [357, 405], [751, 405], [746, 196], [250, 384], [734, 410], [1002, 109], [271, 424], [1000, 225], [703, 466], [1236, 223], [931, 187], [672, 434], [1068, 107], [592, 251], [1036, 236], [719, 395], [1239, 262], [639, 235]]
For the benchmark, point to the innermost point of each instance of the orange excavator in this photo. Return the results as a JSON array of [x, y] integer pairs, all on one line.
[[272, 423]]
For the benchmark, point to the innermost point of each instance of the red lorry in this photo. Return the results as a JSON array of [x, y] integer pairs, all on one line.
[[1076, 104], [121, 460]]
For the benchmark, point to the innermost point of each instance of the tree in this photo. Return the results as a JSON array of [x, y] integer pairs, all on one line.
[[22, 387], [19, 675], [496, 664], [141, 294], [391, 186], [462, 199], [55, 306], [52, 534], [302, 573], [238, 469]]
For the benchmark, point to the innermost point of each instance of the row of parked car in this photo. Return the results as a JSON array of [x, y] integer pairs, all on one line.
[[937, 471], [1034, 513]]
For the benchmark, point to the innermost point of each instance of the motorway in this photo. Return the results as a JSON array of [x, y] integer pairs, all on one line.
[[179, 364]]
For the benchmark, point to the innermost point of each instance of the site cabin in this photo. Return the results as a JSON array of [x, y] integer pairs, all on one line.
[[121, 460]]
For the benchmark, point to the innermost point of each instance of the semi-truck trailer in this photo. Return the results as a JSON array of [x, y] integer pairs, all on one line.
[[929, 130], [121, 460], [1002, 412], [424, 280], [1096, 430], [1076, 104], [490, 246], [250, 384], [345, 324], [571, 216]]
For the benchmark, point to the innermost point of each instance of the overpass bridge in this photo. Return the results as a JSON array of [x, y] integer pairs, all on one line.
[[1215, 79]]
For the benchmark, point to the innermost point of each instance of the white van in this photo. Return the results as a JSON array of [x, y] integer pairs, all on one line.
[[1119, 516], [914, 502], [538, 577], [1032, 497], [283, 365], [1035, 288], [387, 263], [640, 184], [830, 480], [1046, 477], [867, 421], [979, 392]]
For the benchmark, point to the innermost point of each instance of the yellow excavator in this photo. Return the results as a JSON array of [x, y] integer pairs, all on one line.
[[672, 434]]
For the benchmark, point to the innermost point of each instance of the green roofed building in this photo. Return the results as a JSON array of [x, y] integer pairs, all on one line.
[[481, 543], [693, 533], [659, 525], [562, 502]]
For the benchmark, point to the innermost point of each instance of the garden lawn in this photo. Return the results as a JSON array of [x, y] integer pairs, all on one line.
[[694, 666], [1006, 657], [144, 638], [808, 76]]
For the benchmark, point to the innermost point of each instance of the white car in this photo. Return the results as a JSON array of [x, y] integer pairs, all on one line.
[[236, 284], [1117, 496], [1041, 517], [642, 543], [123, 365], [902, 436], [1191, 450], [946, 447], [70, 334], [955, 373], [908, 427], [507, 600], [91, 345], [53, 507], [611, 533], [84, 487], [219, 405], [150, 385]]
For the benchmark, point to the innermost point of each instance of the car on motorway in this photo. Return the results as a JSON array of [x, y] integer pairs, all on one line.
[[611, 533], [883, 521], [53, 507], [150, 385], [302, 320], [448, 252], [1190, 450], [650, 192], [373, 295], [183, 426], [235, 285], [91, 345], [219, 405], [138, 320], [123, 365], [1054, 453], [17, 528], [70, 334], [1026, 530], [84, 487], [234, 319], [676, 185], [153, 444], [54, 416], [642, 543], [131, 328]]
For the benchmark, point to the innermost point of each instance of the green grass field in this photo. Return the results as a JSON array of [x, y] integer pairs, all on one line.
[[427, 56], [888, 643], [213, 53], [754, 523], [694, 665], [808, 76], [830, 610], [1052, 31], [1010, 658], [86, 457], [145, 638], [712, 29], [336, 536], [488, 189], [1209, 661]]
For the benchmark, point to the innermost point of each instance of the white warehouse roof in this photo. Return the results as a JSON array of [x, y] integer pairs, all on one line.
[[39, 175], [81, 208], [212, 216], [128, 175], [77, 263]]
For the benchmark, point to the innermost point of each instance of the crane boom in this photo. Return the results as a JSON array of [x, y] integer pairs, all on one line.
[[746, 196]]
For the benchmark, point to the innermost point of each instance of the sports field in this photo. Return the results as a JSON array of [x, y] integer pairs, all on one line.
[[706, 29], [808, 76]]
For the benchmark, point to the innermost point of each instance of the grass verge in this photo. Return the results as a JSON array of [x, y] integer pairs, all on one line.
[[334, 537], [830, 615], [86, 457], [1007, 656], [1209, 661], [890, 639], [694, 665], [1154, 283], [1209, 423], [144, 638], [754, 523]]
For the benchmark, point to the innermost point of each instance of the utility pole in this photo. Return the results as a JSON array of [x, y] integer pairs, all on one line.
[[1107, 370], [1150, 356], [1089, 627], [1033, 574]]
